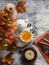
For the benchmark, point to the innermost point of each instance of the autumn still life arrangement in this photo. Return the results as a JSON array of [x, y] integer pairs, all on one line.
[[7, 27]]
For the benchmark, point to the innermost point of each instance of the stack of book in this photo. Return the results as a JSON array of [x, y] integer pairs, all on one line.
[[42, 43]]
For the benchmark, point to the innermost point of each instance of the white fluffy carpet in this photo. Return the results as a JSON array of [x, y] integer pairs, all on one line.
[[42, 23]]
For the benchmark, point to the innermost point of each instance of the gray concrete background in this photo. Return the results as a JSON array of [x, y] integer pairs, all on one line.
[[34, 8]]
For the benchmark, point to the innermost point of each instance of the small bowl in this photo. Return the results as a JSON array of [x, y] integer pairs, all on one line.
[[29, 33], [29, 61]]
